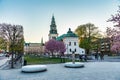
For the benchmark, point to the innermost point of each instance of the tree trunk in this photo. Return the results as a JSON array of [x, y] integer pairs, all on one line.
[[87, 51], [61, 59], [12, 62], [52, 54]]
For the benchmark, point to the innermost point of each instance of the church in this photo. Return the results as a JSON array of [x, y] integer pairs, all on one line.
[[70, 39]]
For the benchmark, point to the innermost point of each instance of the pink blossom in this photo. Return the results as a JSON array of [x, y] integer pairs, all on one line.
[[114, 33], [55, 46]]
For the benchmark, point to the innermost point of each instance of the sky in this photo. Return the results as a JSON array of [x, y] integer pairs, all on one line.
[[35, 15]]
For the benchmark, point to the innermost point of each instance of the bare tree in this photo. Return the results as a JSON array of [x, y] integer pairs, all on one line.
[[13, 34]]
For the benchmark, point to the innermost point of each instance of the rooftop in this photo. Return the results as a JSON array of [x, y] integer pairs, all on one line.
[[69, 34]]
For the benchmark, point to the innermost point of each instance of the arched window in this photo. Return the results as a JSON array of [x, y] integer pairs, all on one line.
[[53, 37], [70, 50], [75, 50], [82, 51], [74, 43]]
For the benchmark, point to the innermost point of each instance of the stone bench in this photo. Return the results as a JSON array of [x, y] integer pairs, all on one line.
[[76, 65], [34, 68]]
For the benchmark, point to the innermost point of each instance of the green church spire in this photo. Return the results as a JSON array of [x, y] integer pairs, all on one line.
[[53, 20], [53, 26]]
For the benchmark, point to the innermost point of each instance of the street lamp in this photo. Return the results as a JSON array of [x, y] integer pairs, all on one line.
[[73, 56]]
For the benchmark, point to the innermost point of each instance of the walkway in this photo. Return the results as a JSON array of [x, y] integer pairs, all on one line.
[[108, 69], [91, 71]]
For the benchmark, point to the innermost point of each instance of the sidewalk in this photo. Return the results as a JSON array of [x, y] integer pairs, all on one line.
[[106, 59], [7, 65], [4, 61]]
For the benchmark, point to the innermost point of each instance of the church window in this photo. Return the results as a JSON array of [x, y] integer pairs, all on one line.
[[75, 50], [75, 43], [70, 50], [53, 37]]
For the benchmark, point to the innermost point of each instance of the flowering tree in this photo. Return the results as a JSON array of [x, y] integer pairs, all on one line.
[[114, 33], [55, 46], [61, 47], [116, 19]]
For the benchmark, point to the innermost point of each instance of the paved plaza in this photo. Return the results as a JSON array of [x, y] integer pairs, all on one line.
[[91, 71]]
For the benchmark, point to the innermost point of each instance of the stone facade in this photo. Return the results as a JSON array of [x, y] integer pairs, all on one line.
[[33, 48]]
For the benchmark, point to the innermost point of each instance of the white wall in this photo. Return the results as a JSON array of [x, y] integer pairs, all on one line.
[[73, 47]]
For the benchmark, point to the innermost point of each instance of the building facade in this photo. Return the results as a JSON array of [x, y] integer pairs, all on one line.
[[30, 48], [36, 48], [103, 45]]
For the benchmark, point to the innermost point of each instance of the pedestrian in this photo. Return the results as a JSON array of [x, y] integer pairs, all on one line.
[[102, 56], [80, 57], [96, 56], [85, 57]]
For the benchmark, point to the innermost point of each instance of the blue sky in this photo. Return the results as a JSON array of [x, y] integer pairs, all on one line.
[[35, 15]]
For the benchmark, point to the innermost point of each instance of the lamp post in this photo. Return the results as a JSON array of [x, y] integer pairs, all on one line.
[[67, 49], [74, 64], [73, 57]]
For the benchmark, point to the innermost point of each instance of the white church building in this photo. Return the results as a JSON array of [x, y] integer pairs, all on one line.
[[70, 39]]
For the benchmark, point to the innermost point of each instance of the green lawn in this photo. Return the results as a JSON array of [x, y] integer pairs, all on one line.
[[43, 60]]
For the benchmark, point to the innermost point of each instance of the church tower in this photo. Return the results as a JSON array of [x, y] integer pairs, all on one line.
[[53, 29]]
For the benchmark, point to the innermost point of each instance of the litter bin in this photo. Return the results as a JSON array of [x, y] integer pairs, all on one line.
[[25, 62]]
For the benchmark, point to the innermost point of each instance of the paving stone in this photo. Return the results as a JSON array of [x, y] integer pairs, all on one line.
[[91, 71]]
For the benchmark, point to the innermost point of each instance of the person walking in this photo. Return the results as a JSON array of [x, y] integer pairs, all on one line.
[[96, 56], [85, 57], [102, 56], [80, 57]]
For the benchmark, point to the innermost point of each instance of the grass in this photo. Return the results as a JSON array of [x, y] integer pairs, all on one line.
[[43, 60]]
